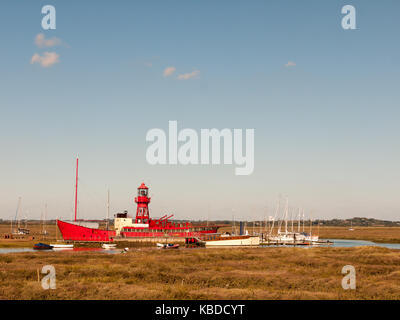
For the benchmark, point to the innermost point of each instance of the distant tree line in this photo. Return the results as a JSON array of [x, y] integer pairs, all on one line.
[[356, 221]]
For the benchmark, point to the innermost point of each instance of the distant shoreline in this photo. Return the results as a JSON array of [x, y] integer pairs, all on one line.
[[374, 234]]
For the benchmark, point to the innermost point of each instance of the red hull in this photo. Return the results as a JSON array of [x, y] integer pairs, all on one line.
[[73, 232]]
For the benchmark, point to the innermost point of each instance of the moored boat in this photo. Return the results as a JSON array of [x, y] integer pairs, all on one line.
[[168, 245], [62, 246], [224, 240], [109, 245], [141, 226], [84, 231], [42, 246]]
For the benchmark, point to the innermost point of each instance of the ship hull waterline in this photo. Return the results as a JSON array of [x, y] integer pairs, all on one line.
[[78, 233]]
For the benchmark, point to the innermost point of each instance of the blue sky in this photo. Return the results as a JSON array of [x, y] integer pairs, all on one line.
[[326, 128]]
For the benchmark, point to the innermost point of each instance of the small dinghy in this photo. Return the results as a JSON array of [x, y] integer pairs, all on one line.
[[168, 245], [109, 245], [42, 246], [62, 246]]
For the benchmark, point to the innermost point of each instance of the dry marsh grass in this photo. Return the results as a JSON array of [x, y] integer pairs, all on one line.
[[240, 273]]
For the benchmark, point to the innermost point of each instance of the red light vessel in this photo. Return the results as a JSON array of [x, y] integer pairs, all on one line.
[[126, 227]]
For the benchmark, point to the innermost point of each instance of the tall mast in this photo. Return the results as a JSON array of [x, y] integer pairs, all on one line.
[[44, 218], [277, 212], [286, 214], [41, 218], [16, 213], [76, 186], [108, 207], [298, 226], [292, 218]]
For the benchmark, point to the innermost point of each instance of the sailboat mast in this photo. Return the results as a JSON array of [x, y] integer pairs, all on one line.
[[41, 220], [286, 214], [16, 213], [76, 187], [298, 226], [292, 218], [278, 208]]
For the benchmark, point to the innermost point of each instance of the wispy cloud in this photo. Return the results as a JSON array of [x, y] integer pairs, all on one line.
[[290, 64], [187, 76], [47, 60], [42, 42], [169, 71]]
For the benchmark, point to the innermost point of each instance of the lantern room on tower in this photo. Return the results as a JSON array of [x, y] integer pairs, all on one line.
[[142, 200]]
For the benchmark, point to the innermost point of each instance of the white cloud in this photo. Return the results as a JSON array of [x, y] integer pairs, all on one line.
[[41, 41], [47, 60], [187, 76], [290, 64], [169, 71]]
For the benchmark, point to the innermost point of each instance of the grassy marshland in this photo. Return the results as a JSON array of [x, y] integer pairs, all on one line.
[[240, 273]]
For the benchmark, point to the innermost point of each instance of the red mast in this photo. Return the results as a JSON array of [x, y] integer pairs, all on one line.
[[142, 200], [76, 187]]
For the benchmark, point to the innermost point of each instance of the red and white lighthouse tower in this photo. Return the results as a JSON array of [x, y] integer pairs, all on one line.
[[142, 200]]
